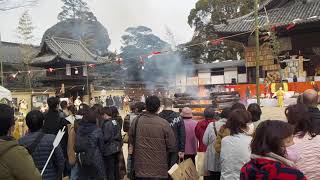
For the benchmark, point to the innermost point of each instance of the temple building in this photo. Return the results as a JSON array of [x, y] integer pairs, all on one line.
[[296, 24], [69, 66], [15, 57]]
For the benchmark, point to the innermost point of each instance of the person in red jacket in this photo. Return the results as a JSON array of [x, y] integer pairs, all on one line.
[[209, 116], [268, 148]]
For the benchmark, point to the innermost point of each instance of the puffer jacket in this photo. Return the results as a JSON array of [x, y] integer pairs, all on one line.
[[15, 162], [111, 136], [177, 125], [95, 145], [154, 141], [41, 153], [271, 166]]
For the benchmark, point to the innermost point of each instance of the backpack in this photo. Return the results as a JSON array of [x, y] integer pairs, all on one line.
[[114, 145], [84, 153]]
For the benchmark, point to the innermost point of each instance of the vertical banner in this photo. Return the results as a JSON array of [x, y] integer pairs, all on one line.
[[68, 70], [85, 71]]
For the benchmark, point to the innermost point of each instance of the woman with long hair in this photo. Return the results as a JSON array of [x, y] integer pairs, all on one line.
[[268, 158], [306, 140], [235, 151]]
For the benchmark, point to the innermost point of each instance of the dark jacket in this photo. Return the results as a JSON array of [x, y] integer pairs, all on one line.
[[41, 153], [127, 121], [111, 136], [95, 145], [315, 116], [53, 122], [15, 162], [154, 141], [177, 125], [270, 168]]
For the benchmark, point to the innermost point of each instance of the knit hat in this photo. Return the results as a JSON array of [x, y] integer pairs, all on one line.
[[186, 112]]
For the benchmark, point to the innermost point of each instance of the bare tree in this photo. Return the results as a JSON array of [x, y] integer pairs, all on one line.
[[6, 5]]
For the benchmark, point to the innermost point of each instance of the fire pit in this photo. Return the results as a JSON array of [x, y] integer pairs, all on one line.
[[217, 100]]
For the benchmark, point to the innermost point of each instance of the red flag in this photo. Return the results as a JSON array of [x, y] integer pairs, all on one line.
[[291, 26], [156, 52]]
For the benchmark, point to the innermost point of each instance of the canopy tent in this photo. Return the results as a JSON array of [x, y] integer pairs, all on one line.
[[5, 94]]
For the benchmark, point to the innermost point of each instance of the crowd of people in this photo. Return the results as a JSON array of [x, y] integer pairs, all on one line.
[[234, 144]]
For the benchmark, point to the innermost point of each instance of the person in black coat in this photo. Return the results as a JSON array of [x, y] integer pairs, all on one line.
[[89, 147], [53, 122], [310, 99], [112, 143], [40, 146], [177, 126]]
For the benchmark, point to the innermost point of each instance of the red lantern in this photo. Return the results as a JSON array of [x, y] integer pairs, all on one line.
[[92, 65], [119, 61], [51, 70], [216, 42]]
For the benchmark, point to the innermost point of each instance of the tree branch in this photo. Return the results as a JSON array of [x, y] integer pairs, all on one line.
[[6, 5]]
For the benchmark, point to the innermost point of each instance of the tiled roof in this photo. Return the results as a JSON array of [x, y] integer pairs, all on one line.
[[292, 10], [69, 50], [11, 53]]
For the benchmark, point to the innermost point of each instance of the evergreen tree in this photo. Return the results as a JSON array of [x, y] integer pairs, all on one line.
[[25, 33], [25, 28], [76, 9], [203, 17]]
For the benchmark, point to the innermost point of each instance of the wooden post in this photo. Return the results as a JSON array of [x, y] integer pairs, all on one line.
[[256, 9]]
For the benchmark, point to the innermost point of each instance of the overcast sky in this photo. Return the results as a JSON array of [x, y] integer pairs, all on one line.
[[115, 15]]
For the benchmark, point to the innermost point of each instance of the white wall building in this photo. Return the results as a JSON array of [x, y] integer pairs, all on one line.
[[220, 73]]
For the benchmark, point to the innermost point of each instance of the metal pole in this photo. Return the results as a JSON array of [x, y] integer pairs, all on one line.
[[256, 4], [1, 64]]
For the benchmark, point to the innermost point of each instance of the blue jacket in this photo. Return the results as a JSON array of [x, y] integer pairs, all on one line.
[[41, 154], [96, 144]]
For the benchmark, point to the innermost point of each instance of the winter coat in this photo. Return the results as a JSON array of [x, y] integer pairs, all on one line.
[[41, 153], [95, 145], [223, 132], [127, 121], [271, 166], [315, 116], [111, 136], [308, 149], [235, 152], [191, 139], [15, 162], [154, 141], [177, 125], [200, 129], [209, 139], [53, 122]]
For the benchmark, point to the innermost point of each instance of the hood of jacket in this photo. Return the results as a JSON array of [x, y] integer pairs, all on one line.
[[169, 115], [6, 145], [86, 128]]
